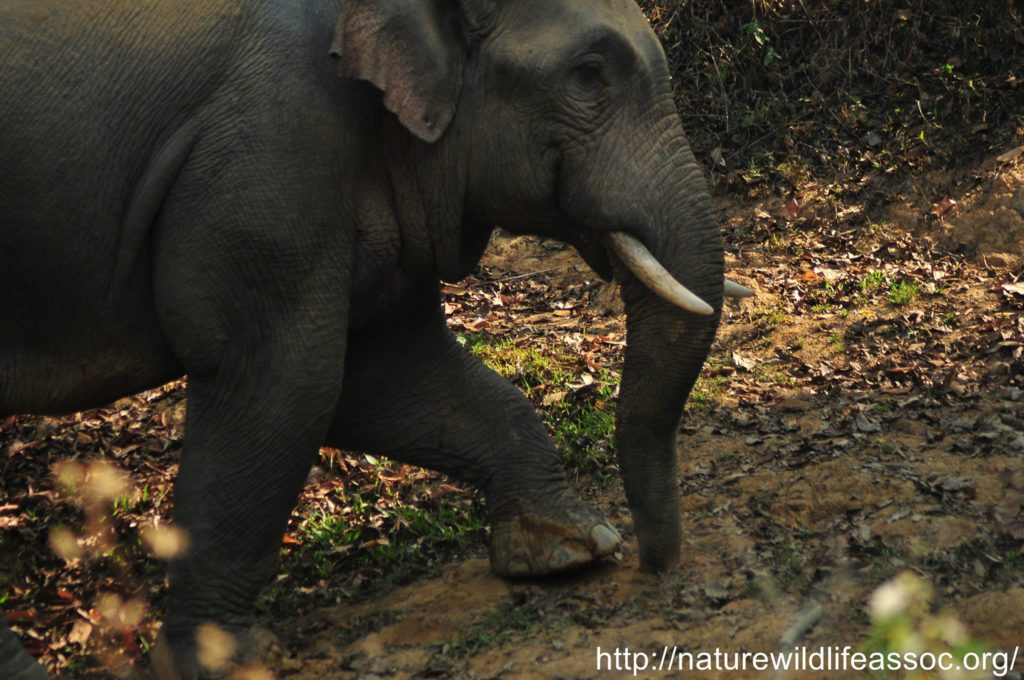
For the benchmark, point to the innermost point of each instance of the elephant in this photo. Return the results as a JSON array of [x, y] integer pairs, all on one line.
[[264, 196]]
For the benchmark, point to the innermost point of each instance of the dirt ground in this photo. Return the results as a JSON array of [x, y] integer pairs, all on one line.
[[862, 416]]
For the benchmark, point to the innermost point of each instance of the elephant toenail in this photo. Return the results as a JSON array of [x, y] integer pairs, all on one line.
[[605, 539]]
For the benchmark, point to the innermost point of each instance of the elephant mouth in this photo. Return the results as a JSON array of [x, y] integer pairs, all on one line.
[[639, 260]]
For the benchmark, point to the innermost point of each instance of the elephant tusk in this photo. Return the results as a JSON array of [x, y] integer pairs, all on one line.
[[650, 272], [735, 290]]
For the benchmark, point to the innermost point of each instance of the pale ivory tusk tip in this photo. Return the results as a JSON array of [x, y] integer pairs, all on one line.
[[735, 290], [652, 274]]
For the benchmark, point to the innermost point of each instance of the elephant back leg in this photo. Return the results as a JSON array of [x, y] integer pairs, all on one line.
[[413, 393], [15, 662]]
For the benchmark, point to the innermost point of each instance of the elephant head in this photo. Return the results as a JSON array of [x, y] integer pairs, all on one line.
[[556, 117]]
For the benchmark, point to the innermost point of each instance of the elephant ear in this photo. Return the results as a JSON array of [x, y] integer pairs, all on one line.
[[411, 51]]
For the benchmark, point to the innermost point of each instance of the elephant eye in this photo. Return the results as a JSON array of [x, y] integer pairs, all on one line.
[[587, 80], [590, 72]]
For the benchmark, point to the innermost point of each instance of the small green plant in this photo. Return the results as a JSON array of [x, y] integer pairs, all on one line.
[[793, 570], [755, 29], [903, 292], [885, 406], [702, 396], [131, 502], [871, 282], [903, 621], [769, 318]]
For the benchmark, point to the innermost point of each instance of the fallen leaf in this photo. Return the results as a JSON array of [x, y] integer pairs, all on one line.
[[1011, 155], [943, 206], [80, 632], [716, 591], [1014, 288], [446, 490], [20, 615], [792, 208], [830, 275], [553, 398], [743, 362], [453, 289]]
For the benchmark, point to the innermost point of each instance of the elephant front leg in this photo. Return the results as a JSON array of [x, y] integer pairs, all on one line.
[[413, 393]]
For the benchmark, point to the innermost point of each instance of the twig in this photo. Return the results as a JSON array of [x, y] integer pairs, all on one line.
[[805, 621], [513, 278]]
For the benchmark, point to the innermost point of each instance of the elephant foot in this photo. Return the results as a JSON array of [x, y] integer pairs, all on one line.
[[548, 538], [215, 654]]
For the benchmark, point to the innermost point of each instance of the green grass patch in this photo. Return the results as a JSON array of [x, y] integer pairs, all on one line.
[[710, 385], [704, 395], [773, 374], [583, 425], [506, 623], [903, 292], [392, 538], [580, 414], [838, 341], [526, 367], [793, 571], [380, 534]]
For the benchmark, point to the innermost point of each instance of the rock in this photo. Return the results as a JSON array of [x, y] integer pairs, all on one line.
[[1003, 260], [798, 400], [865, 423]]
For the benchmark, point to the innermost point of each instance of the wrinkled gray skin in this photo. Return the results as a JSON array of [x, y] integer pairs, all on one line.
[[195, 188]]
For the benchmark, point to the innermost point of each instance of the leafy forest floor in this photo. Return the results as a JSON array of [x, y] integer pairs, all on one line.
[[861, 417]]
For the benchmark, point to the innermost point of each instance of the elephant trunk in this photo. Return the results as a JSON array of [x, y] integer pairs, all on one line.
[[666, 347]]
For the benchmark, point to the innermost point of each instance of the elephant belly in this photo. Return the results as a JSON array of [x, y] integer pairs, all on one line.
[[43, 381], [81, 350]]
